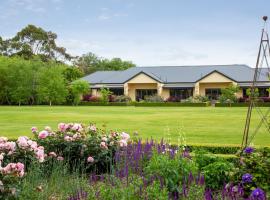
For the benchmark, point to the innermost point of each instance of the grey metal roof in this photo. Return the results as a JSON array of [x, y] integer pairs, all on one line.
[[177, 74]]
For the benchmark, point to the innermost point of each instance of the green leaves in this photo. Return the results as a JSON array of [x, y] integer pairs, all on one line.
[[79, 88]]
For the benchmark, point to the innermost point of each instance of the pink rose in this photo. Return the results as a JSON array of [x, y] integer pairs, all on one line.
[[68, 138], [20, 166], [104, 139], [43, 134], [125, 136], [123, 143], [3, 139], [76, 127], [62, 127], [90, 159], [34, 129], [23, 142], [103, 145]]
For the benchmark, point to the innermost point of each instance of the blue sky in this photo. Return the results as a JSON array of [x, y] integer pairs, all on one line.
[[147, 32]]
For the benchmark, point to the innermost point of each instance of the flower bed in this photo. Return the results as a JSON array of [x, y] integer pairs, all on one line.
[[110, 166]]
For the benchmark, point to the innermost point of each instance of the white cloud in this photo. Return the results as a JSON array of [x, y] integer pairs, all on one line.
[[103, 17]]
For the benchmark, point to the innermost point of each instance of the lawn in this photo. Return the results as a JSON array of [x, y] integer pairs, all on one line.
[[204, 125]]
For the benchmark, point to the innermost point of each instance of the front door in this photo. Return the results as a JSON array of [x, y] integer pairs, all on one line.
[[141, 93]]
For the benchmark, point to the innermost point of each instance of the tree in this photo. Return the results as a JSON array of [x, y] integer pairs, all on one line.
[[105, 93], [33, 41], [90, 63], [79, 88], [72, 74], [229, 93], [51, 88]]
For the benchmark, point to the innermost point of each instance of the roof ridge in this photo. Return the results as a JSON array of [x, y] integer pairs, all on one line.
[[229, 65]]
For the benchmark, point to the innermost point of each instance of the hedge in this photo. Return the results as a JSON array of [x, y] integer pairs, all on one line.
[[144, 104], [169, 104], [266, 104], [87, 103]]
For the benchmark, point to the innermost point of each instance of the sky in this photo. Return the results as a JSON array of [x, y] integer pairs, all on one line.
[[147, 32]]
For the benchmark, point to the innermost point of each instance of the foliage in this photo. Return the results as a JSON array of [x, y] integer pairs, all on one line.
[[90, 63], [197, 99], [105, 93], [51, 88], [33, 41], [78, 89], [217, 174], [173, 170], [122, 98], [255, 92], [154, 98], [257, 164], [228, 95], [71, 74]]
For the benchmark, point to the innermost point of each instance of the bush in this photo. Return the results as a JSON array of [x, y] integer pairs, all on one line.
[[173, 99], [197, 99], [255, 162], [122, 98], [217, 174], [94, 99], [154, 98]]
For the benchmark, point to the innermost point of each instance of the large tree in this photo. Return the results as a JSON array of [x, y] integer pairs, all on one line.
[[34, 41], [51, 88], [90, 63]]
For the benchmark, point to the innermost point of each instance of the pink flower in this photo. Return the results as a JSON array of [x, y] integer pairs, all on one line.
[[52, 154], [90, 159], [77, 135], [104, 139], [76, 127], [22, 142], [16, 169], [60, 158], [3, 139], [62, 127], [103, 145], [34, 129], [125, 136], [40, 155], [43, 134], [68, 138], [123, 143]]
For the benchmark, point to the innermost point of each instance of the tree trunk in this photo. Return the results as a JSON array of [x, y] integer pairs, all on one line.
[[50, 103]]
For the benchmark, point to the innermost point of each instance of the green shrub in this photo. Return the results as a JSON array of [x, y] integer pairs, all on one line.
[[217, 174], [122, 98], [173, 170], [154, 98]]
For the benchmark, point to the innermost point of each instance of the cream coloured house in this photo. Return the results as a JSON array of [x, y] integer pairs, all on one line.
[[177, 81]]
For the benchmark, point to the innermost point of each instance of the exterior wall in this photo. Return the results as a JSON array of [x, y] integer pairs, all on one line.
[[204, 86], [214, 80], [165, 93], [95, 92], [141, 81]]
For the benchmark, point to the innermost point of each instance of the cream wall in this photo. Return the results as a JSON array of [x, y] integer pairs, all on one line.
[[214, 80]]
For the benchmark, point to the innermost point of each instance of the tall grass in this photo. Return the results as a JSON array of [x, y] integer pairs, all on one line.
[[56, 184]]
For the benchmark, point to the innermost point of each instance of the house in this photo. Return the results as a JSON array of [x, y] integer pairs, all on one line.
[[178, 81]]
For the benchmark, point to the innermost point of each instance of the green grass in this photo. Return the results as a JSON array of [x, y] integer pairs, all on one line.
[[209, 125]]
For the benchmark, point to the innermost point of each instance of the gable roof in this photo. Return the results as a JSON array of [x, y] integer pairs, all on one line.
[[177, 74]]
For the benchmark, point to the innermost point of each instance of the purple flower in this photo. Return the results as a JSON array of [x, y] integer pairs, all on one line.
[[247, 178], [257, 194], [249, 150]]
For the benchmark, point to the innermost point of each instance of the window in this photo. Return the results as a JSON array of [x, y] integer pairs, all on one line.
[[141, 93], [263, 92], [213, 93], [181, 93], [117, 91]]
